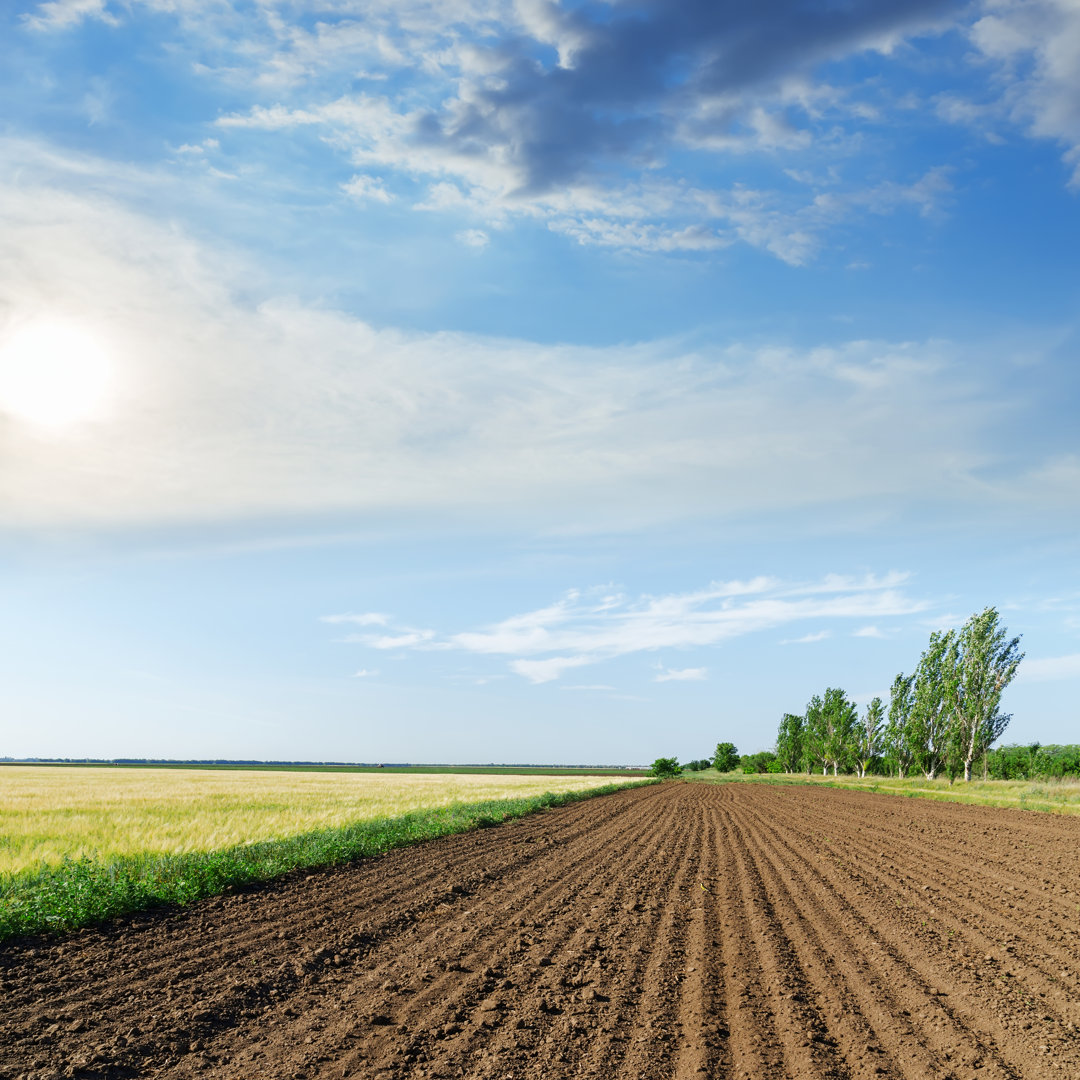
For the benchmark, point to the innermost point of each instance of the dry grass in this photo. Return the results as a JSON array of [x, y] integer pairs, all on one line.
[[49, 813]]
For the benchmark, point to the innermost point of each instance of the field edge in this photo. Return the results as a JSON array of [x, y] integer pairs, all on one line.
[[1028, 797], [81, 892]]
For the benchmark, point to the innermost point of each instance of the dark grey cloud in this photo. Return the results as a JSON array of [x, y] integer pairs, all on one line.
[[639, 74]]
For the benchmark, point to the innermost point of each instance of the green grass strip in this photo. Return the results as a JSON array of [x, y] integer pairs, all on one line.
[[79, 892]]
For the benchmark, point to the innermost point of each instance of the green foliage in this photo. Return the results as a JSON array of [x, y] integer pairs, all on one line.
[[839, 717], [898, 747], [987, 663], [791, 742], [869, 735], [665, 767], [1033, 762], [943, 717], [700, 765], [814, 735], [82, 891], [935, 691], [725, 757], [759, 763]]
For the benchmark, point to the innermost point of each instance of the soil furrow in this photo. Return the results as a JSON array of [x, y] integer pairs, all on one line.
[[806, 1041], [658, 1033], [978, 937], [875, 1026], [701, 1050], [684, 931], [534, 953], [950, 1016], [474, 939], [963, 878]]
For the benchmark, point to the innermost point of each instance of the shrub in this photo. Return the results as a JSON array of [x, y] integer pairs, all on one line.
[[760, 762], [665, 767], [725, 757]]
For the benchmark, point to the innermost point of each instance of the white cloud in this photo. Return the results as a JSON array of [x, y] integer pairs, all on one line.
[[542, 671], [64, 14], [474, 238], [1035, 47], [214, 417], [643, 214], [366, 618], [808, 639], [407, 639], [1051, 669], [694, 674], [868, 632], [365, 673], [592, 626], [361, 188], [198, 149]]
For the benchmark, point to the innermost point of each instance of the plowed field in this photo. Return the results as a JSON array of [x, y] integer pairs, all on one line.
[[677, 931]]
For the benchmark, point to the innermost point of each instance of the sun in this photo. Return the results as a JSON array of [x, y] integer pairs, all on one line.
[[53, 374]]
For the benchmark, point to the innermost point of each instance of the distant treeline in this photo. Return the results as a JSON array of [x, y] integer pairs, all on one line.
[[941, 719], [319, 766], [1011, 762], [1034, 762]]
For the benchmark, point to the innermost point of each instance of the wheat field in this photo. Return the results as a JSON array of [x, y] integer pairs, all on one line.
[[48, 813]]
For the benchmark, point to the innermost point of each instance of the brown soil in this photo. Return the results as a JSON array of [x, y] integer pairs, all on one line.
[[677, 931]]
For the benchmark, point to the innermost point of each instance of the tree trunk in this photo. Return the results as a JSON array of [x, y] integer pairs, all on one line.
[[967, 771]]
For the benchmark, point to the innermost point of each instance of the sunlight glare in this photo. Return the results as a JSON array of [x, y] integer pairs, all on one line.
[[53, 374]]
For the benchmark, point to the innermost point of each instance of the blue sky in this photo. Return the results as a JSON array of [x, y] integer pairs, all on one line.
[[523, 381]]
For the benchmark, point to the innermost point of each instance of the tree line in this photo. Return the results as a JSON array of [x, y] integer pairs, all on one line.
[[940, 719], [1012, 762], [1033, 762]]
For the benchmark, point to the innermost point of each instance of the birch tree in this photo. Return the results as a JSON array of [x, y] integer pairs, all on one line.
[[934, 696], [988, 660], [898, 746], [840, 717], [869, 735], [814, 737], [790, 740]]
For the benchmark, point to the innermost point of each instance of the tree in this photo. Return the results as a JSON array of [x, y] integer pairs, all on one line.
[[814, 736], [665, 767], [790, 737], [726, 757], [869, 735], [930, 725], [839, 716], [897, 738], [698, 765], [761, 762], [988, 660]]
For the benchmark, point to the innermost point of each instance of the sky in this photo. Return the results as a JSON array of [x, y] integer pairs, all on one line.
[[522, 381]]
